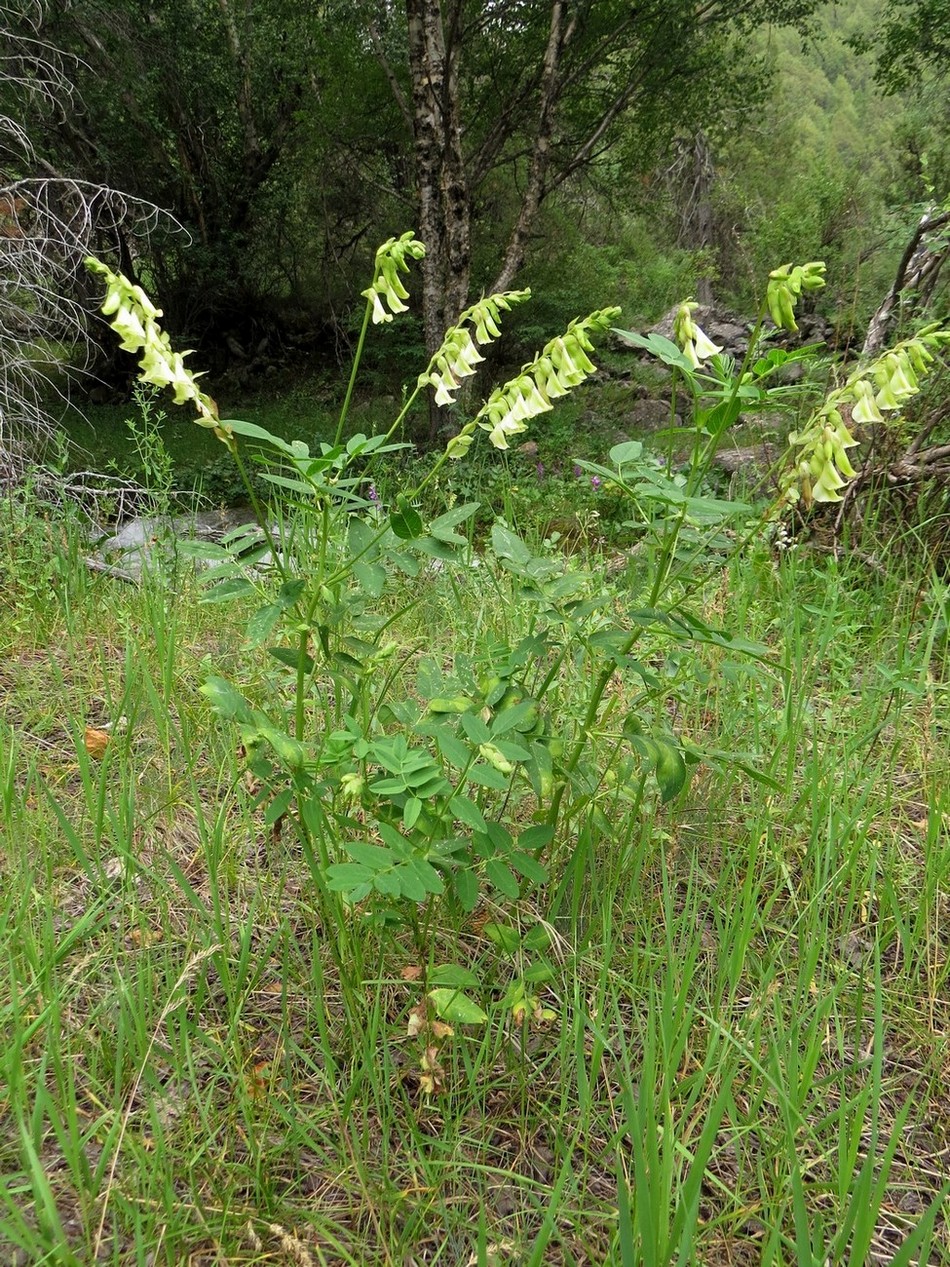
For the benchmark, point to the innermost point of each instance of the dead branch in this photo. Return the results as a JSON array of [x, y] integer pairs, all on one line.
[[47, 303], [917, 271]]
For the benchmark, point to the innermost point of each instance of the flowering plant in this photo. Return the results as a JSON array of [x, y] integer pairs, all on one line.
[[458, 356], [562, 364], [697, 347], [135, 321], [364, 835], [871, 394], [391, 260], [786, 285]]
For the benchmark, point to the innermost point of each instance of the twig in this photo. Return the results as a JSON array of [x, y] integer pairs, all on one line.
[[97, 565], [835, 550]]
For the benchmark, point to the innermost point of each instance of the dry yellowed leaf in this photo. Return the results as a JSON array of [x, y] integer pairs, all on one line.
[[256, 1081], [145, 937], [417, 1020], [431, 1080]]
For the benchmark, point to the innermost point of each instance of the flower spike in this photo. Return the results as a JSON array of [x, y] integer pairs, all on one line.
[[458, 356], [562, 364], [391, 260], [822, 467], [785, 288], [697, 346], [135, 320]]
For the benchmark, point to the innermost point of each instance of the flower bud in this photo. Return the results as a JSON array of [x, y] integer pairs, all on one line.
[[351, 787], [459, 445], [496, 758]]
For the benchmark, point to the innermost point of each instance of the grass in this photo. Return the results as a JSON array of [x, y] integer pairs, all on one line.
[[745, 1058]]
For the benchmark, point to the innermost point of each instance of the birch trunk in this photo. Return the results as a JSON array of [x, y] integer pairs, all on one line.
[[444, 200]]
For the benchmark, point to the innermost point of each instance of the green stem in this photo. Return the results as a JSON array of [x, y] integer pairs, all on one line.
[[402, 413], [347, 567], [661, 579], [260, 514], [343, 571], [353, 371], [551, 674], [394, 672], [674, 380], [303, 645], [712, 444]]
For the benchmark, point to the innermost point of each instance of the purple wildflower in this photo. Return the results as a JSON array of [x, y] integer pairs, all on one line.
[[372, 494], [595, 481], [577, 472]]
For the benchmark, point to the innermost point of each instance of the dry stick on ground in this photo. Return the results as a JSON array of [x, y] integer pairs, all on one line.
[[883, 462]]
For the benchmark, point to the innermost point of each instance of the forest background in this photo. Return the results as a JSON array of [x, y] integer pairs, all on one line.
[[603, 154]]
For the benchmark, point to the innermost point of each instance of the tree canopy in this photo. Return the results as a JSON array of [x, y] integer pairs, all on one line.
[[912, 41], [286, 138], [287, 141]]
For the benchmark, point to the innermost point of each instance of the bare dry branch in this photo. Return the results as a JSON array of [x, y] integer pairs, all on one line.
[[48, 225], [918, 270], [47, 228]]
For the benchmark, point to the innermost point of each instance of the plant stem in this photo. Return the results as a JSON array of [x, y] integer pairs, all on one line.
[[259, 512], [700, 464], [353, 372]]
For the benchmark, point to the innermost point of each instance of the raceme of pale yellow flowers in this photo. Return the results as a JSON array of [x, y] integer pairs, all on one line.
[[391, 260], [696, 345], [785, 288], [822, 466], [563, 364], [458, 356], [135, 320]]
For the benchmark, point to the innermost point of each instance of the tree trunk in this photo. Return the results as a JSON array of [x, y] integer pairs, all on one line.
[[541, 150], [692, 176], [444, 199]]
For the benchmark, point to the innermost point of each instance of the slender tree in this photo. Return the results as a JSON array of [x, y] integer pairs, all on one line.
[[539, 93]]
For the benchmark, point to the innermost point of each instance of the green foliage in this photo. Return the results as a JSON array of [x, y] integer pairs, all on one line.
[[443, 735], [580, 259], [813, 174], [911, 40], [525, 834], [281, 179], [379, 799], [175, 1024], [152, 457], [41, 572]]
